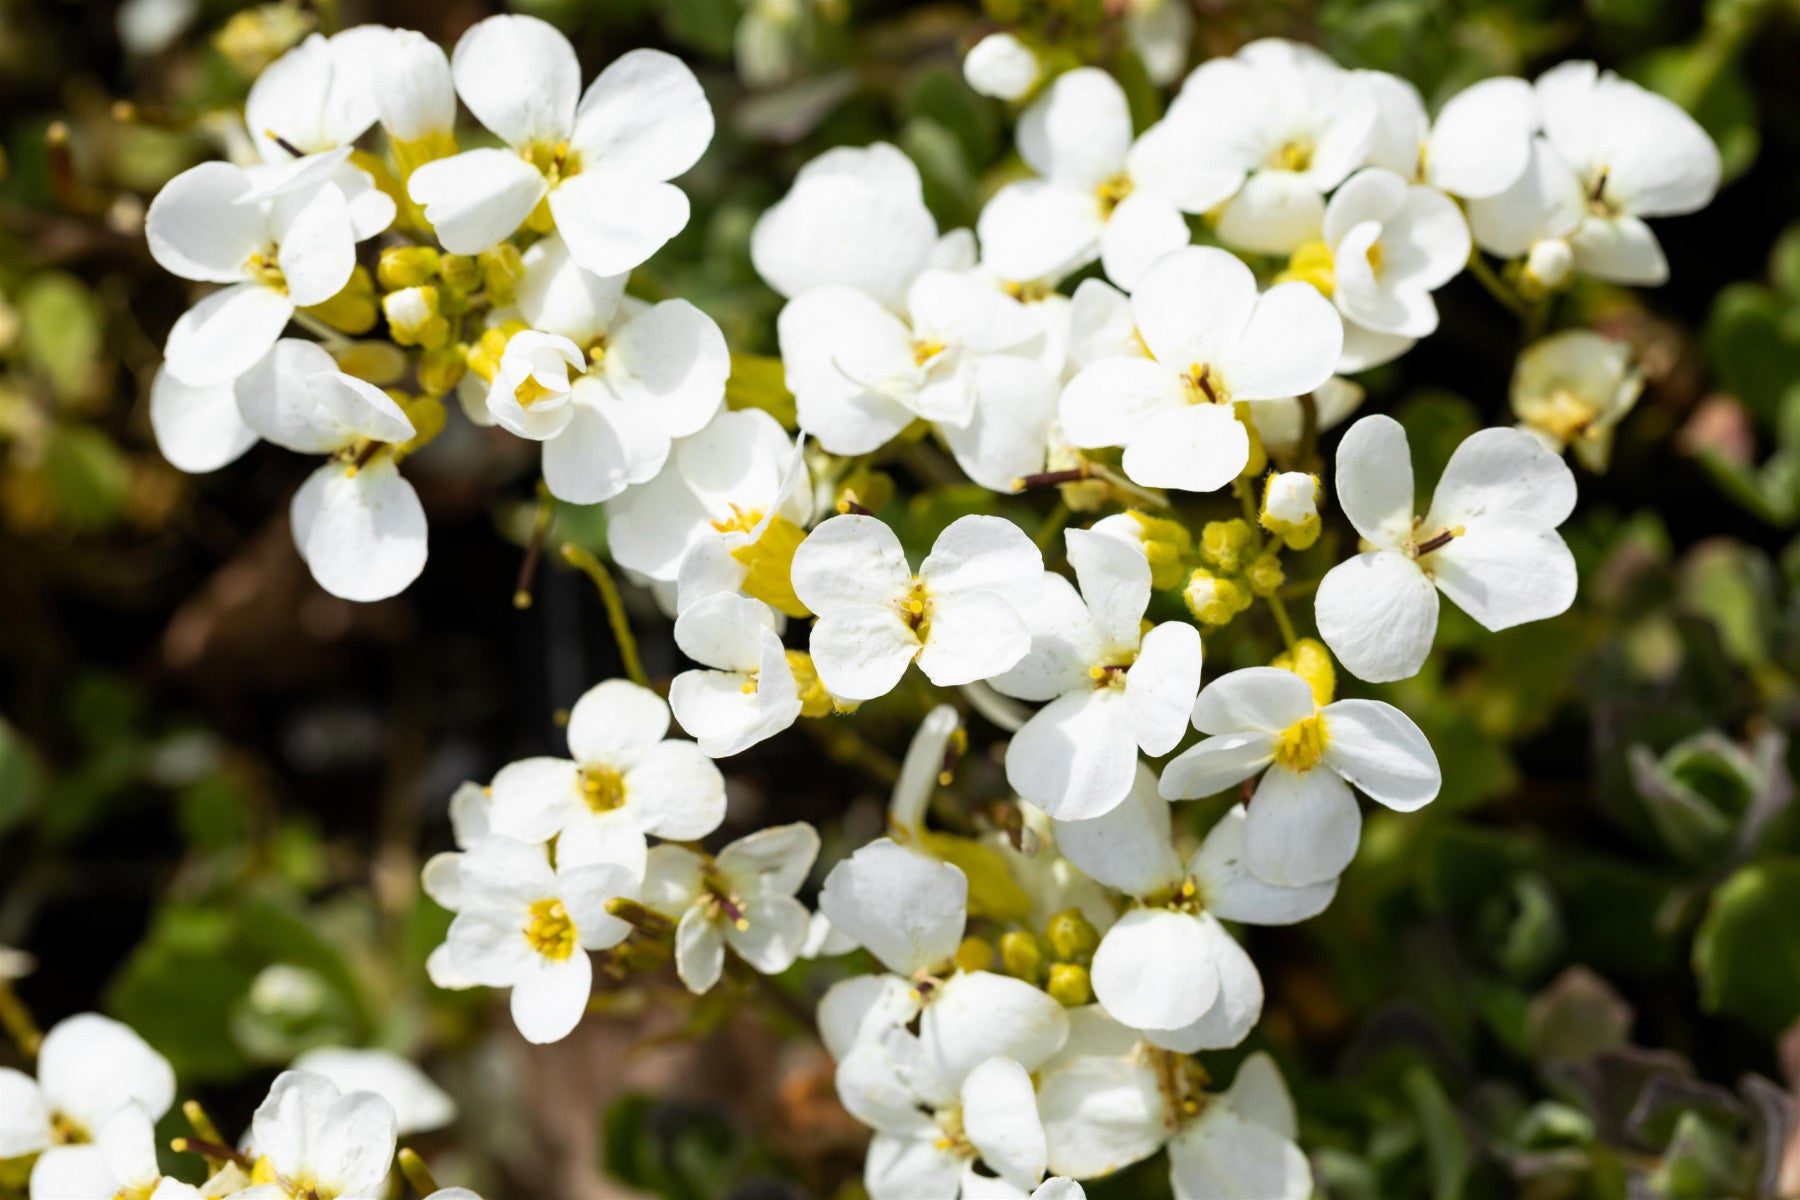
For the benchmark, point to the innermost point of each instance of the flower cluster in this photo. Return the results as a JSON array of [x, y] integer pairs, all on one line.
[[1140, 317]]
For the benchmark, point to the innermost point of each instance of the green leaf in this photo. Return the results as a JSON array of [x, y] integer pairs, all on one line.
[[1754, 350], [1446, 1143], [21, 777], [1747, 950], [61, 333]]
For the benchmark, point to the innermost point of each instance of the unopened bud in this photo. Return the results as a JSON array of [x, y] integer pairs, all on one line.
[[442, 369], [1312, 662], [353, 309], [1227, 544], [1215, 599], [502, 269], [1290, 508], [406, 266], [1001, 66], [975, 954], [1071, 936], [1265, 576], [815, 701], [459, 271], [1166, 544], [1021, 956], [1069, 985], [1548, 267], [413, 317]]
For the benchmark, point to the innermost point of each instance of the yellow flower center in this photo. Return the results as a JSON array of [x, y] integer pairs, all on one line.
[[265, 268], [1204, 386], [1113, 192], [550, 930], [915, 609], [1312, 263], [1302, 744], [926, 349], [67, 1131], [602, 788], [1373, 254], [530, 391], [1564, 414], [1292, 156]]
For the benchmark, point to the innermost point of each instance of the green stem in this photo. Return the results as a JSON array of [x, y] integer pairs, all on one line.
[[15, 1018], [1282, 621], [1053, 523], [534, 547], [1497, 287], [1120, 483], [416, 1172], [595, 570]]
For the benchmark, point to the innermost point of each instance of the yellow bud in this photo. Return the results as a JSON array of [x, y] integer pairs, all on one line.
[[815, 701], [1312, 263], [459, 271], [427, 415], [255, 37], [975, 954], [1166, 544], [1021, 956], [1069, 985], [353, 309], [502, 269], [1215, 599], [442, 369], [864, 488], [1312, 662], [1265, 576], [406, 266], [1072, 938], [1227, 544], [380, 363], [413, 317]]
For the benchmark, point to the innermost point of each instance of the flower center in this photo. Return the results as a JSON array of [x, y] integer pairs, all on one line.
[[1597, 202], [1414, 548], [721, 904], [550, 930], [915, 609], [1373, 254], [1293, 155], [1565, 414], [925, 349], [1312, 263], [530, 391], [1302, 744], [264, 267], [1204, 386], [554, 161], [1113, 192], [602, 788], [67, 1131], [1108, 675], [954, 1140]]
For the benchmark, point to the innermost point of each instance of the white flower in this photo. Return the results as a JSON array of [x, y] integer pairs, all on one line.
[[1392, 244], [818, 234], [1212, 341], [525, 926], [1573, 388], [1001, 66], [744, 691], [1160, 33], [1168, 967], [414, 95], [304, 113], [860, 373], [742, 897], [1290, 499], [1101, 194], [601, 166], [642, 376], [959, 616], [1104, 1108], [730, 476], [1289, 123], [1478, 145], [1488, 542], [1303, 823], [1612, 154], [278, 255], [624, 781], [357, 523], [419, 1104], [197, 428], [1113, 687], [120, 1162], [755, 559], [321, 1142], [89, 1068]]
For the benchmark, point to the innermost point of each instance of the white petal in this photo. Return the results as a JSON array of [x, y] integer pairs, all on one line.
[[850, 560], [275, 398], [1231, 892], [978, 1014], [1288, 348], [983, 554], [1378, 613], [1074, 759], [1481, 141], [1236, 1010], [671, 361], [1110, 401], [535, 797], [197, 429], [1001, 1120], [1222, 1156], [1375, 482], [772, 940], [419, 1104], [519, 76], [1064, 644], [1216, 763], [1079, 130], [1254, 699], [225, 334], [1142, 229], [476, 199], [1378, 748], [725, 631], [1101, 324], [1160, 686], [973, 636], [699, 950], [1506, 570], [362, 536], [680, 791], [644, 116], [318, 248], [1005, 438], [1303, 827], [603, 448], [911, 1169], [1274, 213], [198, 228], [1155, 969], [1620, 250], [613, 222], [547, 1002], [863, 1008], [1198, 449], [861, 652], [1192, 307], [615, 723], [1546, 201], [24, 1119], [1129, 847], [71, 1173], [1037, 229], [1115, 584], [908, 910], [89, 1066], [1260, 1094], [848, 362], [1101, 1113], [1499, 471]]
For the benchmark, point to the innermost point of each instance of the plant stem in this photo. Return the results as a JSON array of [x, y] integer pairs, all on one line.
[[534, 547], [1282, 621], [416, 1172], [1053, 523], [15, 1018], [1119, 482], [1497, 287], [595, 570]]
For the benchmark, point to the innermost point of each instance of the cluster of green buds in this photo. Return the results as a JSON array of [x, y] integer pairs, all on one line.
[[428, 297], [1057, 960], [1237, 567]]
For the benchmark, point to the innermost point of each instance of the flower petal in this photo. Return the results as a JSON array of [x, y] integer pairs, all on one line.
[[225, 334], [520, 78], [645, 116], [1000, 1118], [362, 535], [198, 429], [1378, 748], [1156, 969], [1075, 758], [474, 200], [1303, 827], [1378, 613], [613, 222], [908, 910]]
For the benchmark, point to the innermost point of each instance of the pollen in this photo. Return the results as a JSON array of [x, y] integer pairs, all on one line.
[[1312, 263], [530, 392], [1302, 744], [926, 349], [602, 788], [551, 931], [1295, 155], [1204, 386], [1113, 192]]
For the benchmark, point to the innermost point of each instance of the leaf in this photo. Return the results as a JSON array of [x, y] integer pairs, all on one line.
[[1747, 950], [21, 777], [62, 329], [1755, 352], [1446, 1143]]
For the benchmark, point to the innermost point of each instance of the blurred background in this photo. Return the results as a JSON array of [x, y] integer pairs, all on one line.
[[1575, 975]]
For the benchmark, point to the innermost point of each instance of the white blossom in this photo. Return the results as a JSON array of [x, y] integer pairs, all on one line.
[[1572, 389], [1001, 66], [744, 690], [322, 1142]]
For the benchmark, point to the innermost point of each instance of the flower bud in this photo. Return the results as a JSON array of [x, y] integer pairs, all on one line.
[[1312, 662], [1021, 956], [406, 266], [413, 317], [815, 701], [864, 488], [1290, 508], [380, 363], [460, 272], [1072, 938], [353, 309], [1265, 576], [1001, 66], [442, 369], [255, 37], [1215, 599], [1549, 266], [502, 269], [1227, 544], [427, 416], [975, 954], [1069, 985], [1166, 544]]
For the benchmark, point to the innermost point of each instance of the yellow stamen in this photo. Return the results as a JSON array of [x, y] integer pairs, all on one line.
[[602, 787], [550, 931], [1302, 744]]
